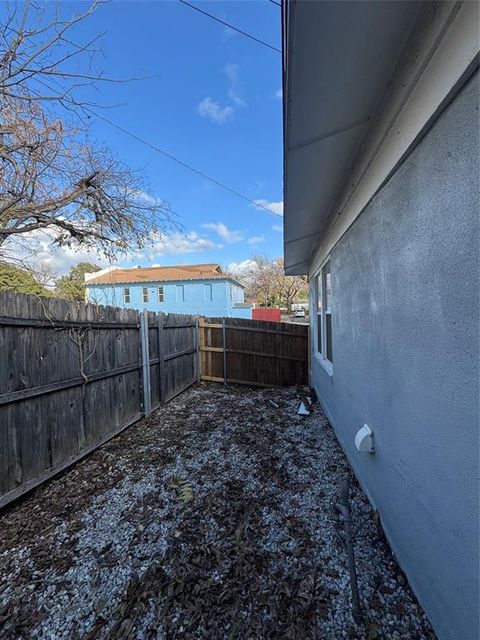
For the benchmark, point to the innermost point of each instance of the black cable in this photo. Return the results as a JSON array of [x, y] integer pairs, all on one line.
[[279, 4], [168, 155], [180, 162], [226, 24]]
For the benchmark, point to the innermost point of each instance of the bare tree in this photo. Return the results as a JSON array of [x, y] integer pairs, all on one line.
[[51, 176], [261, 280], [266, 282], [287, 287]]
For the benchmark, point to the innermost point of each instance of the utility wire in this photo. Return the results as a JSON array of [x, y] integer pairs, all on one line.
[[180, 162], [277, 3], [169, 155], [244, 33]]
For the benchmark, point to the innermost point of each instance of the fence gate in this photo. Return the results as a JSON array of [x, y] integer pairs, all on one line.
[[253, 352]]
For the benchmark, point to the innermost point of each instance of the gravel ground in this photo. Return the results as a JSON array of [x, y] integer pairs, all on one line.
[[213, 518]]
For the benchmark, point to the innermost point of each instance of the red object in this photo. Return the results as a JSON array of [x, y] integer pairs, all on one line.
[[270, 314]]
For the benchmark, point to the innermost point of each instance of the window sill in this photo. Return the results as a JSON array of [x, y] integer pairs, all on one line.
[[326, 364]]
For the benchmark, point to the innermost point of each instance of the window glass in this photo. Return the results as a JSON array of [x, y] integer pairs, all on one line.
[[328, 296], [319, 313], [328, 287], [328, 332], [160, 294], [145, 294], [324, 300], [319, 294], [126, 295], [180, 293]]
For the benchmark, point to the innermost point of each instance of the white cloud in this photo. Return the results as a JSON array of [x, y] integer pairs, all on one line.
[[229, 235], [38, 250], [274, 207], [144, 196], [256, 239], [277, 227], [208, 108], [279, 94], [175, 244], [241, 268], [234, 93]]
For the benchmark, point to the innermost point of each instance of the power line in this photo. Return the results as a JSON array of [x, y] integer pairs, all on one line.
[[134, 136], [180, 162], [279, 4], [226, 24]]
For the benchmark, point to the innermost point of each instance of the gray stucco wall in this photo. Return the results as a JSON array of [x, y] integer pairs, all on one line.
[[405, 343]]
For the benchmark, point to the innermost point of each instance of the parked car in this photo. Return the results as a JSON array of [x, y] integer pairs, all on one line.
[[299, 313]]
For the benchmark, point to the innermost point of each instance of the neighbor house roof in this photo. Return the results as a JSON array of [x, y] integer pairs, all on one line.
[[162, 274]]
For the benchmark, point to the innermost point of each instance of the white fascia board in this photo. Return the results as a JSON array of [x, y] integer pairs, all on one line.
[[448, 49]]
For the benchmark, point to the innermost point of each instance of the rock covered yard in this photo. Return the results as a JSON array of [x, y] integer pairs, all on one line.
[[213, 518]]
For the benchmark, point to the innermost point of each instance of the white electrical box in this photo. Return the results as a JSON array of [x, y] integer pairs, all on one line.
[[364, 440]]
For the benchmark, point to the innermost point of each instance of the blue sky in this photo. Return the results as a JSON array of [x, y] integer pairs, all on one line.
[[213, 100]]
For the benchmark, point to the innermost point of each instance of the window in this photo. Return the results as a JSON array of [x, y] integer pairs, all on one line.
[[207, 292], [126, 295], [160, 294], [324, 295], [145, 294], [327, 288], [180, 297], [319, 313]]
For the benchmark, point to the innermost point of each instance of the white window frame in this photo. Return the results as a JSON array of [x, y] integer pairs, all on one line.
[[126, 295], [160, 294], [145, 295], [321, 316]]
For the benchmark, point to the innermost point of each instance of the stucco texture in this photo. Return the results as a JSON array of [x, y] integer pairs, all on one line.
[[406, 352]]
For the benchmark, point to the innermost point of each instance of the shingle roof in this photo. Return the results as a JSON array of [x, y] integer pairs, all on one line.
[[162, 274]]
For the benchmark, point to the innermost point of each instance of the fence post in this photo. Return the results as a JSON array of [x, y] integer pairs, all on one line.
[[161, 356], [147, 398], [224, 332], [197, 347]]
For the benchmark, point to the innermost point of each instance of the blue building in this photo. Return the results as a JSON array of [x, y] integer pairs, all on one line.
[[200, 289]]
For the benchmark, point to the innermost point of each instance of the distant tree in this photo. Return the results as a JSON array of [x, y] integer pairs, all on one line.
[[16, 279], [72, 286], [267, 284], [288, 288], [259, 280]]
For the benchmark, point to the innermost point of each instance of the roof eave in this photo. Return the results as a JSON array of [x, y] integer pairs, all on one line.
[[327, 108]]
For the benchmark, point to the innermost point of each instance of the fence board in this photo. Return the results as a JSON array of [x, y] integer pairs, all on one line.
[[71, 378], [179, 354], [253, 352]]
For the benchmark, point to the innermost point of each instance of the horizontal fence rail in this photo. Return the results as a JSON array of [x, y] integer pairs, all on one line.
[[73, 376], [253, 352]]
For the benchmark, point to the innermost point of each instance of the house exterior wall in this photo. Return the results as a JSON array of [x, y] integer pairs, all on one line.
[[199, 297], [405, 361]]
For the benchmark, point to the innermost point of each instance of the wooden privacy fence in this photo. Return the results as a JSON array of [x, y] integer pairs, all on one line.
[[73, 376], [253, 352]]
